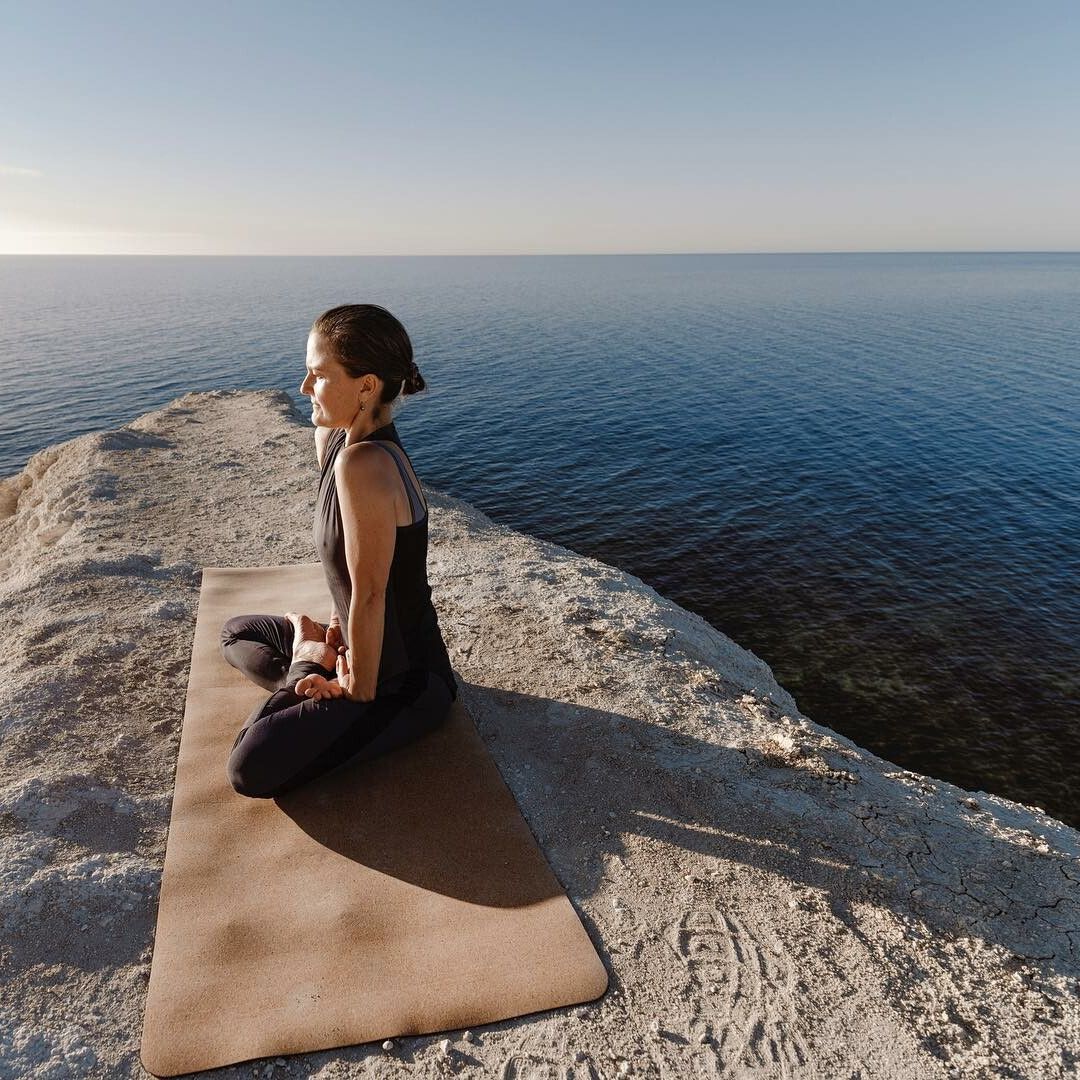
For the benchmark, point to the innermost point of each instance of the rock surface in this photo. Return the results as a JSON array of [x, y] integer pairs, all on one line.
[[770, 899]]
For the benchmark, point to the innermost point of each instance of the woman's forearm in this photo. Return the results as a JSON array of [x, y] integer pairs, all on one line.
[[365, 643]]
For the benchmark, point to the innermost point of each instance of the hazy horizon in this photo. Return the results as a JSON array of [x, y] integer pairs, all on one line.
[[511, 254], [352, 130]]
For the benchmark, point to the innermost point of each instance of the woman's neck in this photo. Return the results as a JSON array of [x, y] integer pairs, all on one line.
[[363, 426]]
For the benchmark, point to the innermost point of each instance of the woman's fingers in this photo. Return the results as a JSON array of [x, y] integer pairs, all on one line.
[[343, 672]]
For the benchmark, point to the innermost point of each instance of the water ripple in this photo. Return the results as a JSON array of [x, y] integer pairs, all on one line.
[[864, 468]]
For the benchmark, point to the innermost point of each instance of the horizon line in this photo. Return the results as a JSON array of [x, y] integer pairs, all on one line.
[[519, 254]]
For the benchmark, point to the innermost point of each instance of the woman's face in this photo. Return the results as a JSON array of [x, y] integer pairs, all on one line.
[[335, 394]]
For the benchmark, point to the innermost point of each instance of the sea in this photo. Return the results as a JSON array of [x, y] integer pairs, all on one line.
[[865, 468]]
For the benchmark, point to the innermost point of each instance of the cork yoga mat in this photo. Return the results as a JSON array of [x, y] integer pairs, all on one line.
[[398, 896]]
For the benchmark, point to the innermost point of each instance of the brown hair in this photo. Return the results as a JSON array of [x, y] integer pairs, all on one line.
[[367, 338]]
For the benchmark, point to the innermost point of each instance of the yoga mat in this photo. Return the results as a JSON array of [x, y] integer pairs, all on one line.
[[399, 896]]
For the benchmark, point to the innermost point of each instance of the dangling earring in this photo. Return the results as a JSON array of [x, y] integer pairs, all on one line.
[[361, 406]]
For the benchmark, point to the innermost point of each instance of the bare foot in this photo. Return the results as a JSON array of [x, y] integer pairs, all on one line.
[[309, 641]]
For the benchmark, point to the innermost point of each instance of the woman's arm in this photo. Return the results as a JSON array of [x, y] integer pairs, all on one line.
[[366, 630], [366, 490]]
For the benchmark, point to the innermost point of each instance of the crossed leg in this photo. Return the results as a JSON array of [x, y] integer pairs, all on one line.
[[291, 739], [261, 646]]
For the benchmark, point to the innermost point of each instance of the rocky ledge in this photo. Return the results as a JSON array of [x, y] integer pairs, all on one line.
[[770, 899]]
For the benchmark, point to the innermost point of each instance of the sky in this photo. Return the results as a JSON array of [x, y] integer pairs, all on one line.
[[456, 128]]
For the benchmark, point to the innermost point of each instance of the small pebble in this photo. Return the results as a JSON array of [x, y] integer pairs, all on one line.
[[624, 1068], [446, 1046], [388, 1045], [469, 1037]]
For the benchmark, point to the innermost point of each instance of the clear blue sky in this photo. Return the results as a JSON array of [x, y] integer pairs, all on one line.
[[484, 128]]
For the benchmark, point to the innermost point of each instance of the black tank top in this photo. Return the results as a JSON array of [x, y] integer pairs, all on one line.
[[412, 640]]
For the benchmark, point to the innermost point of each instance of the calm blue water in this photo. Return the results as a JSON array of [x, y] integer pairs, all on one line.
[[864, 468]]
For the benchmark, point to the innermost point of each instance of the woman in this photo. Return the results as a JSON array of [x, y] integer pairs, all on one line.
[[378, 676]]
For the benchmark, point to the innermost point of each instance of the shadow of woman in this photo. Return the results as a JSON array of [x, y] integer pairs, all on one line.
[[442, 813]]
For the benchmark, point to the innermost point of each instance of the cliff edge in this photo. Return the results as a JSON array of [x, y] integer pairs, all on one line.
[[770, 899]]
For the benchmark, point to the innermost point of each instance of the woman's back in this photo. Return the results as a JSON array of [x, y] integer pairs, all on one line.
[[412, 639]]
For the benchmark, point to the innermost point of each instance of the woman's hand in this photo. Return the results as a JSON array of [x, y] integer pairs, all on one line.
[[345, 677], [333, 636], [317, 688]]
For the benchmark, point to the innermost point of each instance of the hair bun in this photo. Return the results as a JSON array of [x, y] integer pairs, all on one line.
[[413, 382]]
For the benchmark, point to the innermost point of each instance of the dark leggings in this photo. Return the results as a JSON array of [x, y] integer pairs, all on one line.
[[289, 739]]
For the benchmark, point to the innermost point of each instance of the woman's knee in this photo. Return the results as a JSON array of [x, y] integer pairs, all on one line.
[[244, 776], [262, 759], [232, 629]]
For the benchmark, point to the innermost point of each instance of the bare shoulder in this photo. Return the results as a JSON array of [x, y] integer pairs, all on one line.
[[365, 469]]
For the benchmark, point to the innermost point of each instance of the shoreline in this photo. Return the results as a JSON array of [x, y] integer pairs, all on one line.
[[855, 915]]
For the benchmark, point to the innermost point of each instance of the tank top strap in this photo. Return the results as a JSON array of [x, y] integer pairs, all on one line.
[[415, 502]]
